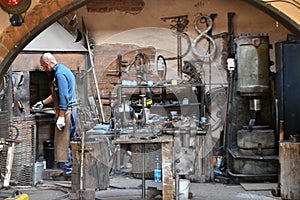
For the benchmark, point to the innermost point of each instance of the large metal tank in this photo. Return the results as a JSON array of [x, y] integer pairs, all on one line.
[[253, 65]]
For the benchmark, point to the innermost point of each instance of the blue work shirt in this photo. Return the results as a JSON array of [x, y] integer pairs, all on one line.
[[65, 81]]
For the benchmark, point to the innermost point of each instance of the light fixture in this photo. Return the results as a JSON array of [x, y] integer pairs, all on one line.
[[15, 8], [16, 20]]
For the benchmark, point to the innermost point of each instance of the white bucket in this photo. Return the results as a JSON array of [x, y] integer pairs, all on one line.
[[184, 187], [38, 172]]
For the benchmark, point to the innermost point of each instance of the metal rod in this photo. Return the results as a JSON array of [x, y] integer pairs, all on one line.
[[118, 161], [179, 58], [35, 150], [143, 173], [97, 89], [177, 186], [94, 75], [81, 163]]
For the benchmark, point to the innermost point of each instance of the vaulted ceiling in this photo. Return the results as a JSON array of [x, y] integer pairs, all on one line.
[[281, 10]]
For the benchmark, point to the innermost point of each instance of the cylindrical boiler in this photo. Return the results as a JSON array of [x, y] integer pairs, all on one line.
[[253, 65]]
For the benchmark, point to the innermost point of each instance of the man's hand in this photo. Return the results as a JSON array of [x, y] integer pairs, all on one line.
[[38, 106], [60, 123]]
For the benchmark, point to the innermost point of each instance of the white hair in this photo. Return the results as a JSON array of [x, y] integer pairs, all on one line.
[[48, 57]]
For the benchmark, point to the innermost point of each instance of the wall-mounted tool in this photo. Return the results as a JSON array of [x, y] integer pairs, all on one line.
[[231, 47], [92, 67], [161, 67], [118, 70], [78, 35], [203, 34], [180, 24], [192, 72], [140, 62]]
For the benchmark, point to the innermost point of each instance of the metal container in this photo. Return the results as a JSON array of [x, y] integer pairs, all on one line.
[[38, 172], [3, 124], [255, 104], [253, 65]]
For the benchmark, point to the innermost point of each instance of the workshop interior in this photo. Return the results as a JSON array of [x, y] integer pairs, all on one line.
[[200, 91]]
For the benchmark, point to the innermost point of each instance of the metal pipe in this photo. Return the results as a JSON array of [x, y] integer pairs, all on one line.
[[94, 73], [188, 40], [143, 173], [177, 186], [118, 161], [179, 57], [81, 163]]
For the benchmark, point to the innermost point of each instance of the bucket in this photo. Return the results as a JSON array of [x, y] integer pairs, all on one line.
[[38, 172], [184, 187]]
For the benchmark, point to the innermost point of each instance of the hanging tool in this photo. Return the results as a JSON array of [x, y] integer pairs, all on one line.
[[231, 47], [93, 70], [203, 34], [161, 67], [82, 161], [120, 58], [181, 23], [118, 71], [9, 163], [78, 36], [11, 143]]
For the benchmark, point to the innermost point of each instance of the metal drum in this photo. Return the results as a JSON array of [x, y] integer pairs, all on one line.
[[3, 124], [253, 65]]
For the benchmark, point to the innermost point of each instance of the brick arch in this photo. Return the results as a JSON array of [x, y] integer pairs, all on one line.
[[45, 12]]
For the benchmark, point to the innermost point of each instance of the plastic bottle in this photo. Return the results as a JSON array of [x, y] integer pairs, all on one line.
[[157, 170]]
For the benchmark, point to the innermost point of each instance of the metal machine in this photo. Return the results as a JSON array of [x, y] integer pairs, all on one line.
[[250, 134]]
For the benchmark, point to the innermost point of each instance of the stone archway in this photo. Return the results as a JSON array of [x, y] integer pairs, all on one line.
[[42, 15]]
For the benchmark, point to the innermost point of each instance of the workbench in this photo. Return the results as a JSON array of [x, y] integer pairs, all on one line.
[[166, 142]]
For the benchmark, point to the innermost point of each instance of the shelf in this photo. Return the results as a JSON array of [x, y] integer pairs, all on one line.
[[175, 105], [166, 97], [163, 86]]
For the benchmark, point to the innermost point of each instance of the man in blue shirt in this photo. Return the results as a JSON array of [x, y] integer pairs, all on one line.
[[63, 89]]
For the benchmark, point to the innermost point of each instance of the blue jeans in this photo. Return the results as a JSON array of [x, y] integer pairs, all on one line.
[[67, 166]]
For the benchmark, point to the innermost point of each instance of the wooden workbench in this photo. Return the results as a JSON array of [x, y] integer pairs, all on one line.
[[167, 152]]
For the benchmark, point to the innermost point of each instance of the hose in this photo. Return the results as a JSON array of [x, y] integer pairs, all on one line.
[[165, 66]]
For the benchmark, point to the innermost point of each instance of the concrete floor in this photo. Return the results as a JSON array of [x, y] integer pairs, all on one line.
[[123, 188]]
